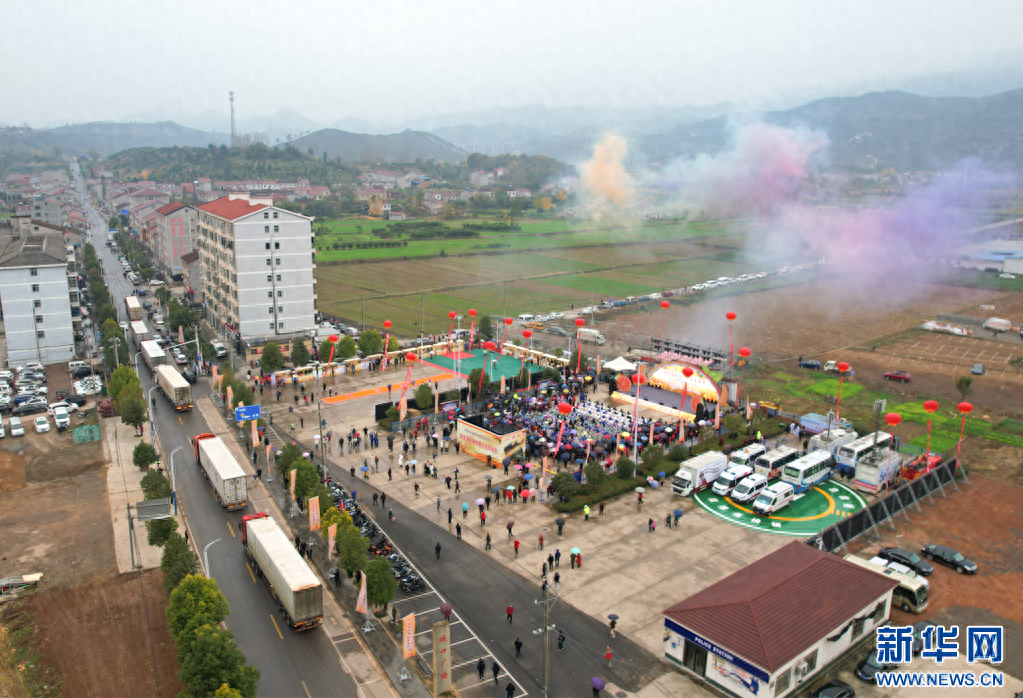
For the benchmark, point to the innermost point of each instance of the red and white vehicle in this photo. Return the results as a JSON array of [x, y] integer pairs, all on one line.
[[898, 376]]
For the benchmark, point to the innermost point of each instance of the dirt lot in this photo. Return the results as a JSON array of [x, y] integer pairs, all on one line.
[[1009, 306], [95, 635], [800, 320], [991, 539]]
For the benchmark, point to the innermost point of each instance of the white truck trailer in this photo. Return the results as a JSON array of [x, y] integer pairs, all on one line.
[[222, 470], [698, 473], [133, 308], [292, 583], [587, 334], [877, 470], [139, 334], [832, 439], [174, 387], [152, 354]]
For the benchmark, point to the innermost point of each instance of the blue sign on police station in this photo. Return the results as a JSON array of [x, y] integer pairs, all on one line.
[[246, 413]]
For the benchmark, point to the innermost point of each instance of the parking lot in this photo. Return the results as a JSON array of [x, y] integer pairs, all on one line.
[[952, 354]]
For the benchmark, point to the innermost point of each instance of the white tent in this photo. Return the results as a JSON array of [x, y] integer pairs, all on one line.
[[620, 364]]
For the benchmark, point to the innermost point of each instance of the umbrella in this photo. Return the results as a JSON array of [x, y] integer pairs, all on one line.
[[413, 462], [677, 512], [597, 683], [640, 490], [488, 476], [445, 608], [465, 506], [305, 455], [480, 501], [559, 521], [565, 456], [528, 476], [655, 484], [660, 474], [612, 616], [509, 524], [579, 461], [364, 468], [510, 487], [496, 490], [575, 550], [518, 466]]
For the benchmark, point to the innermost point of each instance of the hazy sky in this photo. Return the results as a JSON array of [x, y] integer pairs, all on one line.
[[390, 61]]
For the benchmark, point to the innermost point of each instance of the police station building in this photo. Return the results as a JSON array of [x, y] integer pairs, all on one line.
[[771, 627]]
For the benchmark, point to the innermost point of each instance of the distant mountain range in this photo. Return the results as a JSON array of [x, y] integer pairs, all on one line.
[[105, 137], [407, 146]]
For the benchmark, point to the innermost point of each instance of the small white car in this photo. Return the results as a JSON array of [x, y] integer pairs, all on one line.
[[69, 406], [42, 425], [6, 375], [1007, 276], [17, 428], [123, 325], [2, 432]]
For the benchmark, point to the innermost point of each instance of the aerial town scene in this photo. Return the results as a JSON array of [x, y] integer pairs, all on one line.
[[718, 304]]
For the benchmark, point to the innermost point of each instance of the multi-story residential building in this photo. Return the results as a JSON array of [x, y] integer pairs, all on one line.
[[174, 235], [480, 178], [142, 196], [37, 285], [42, 209], [257, 267]]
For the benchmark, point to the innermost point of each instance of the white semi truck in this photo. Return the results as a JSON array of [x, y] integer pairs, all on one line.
[[293, 585], [153, 355], [698, 473], [226, 476]]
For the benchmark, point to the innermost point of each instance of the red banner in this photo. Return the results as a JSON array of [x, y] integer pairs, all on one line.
[[387, 340]]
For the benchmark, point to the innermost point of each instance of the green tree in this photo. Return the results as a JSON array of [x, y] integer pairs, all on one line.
[[575, 357], [163, 296], [333, 515], [155, 485], [177, 562], [114, 221], [106, 313], [351, 549], [564, 484], [626, 468], [159, 530], [677, 453], [370, 342], [964, 386], [424, 396], [143, 456], [307, 480], [195, 597], [486, 326], [325, 347], [299, 353], [272, 359], [128, 392], [225, 691], [594, 472], [212, 660], [380, 582], [120, 378], [652, 455], [133, 411], [474, 381], [345, 348]]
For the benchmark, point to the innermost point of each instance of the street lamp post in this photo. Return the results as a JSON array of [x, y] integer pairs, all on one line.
[[174, 488], [152, 423]]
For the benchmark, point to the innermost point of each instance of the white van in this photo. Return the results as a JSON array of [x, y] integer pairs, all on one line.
[[747, 456], [727, 480], [17, 428], [527, 317], [773, 499], [75, 365], [62, 418], [750, 488]]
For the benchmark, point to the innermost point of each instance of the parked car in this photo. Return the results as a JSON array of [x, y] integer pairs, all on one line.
[[977, 370], [123, 325], [2, 432], [950, 558], [29, 366], [813, 365], [27, 408], [6, 376], [190, 376], [907, 558], [902, 376], [559, 331], [42, 425], [69, 406], [17, 428], [31, 389], [869, 667], [834, 689], [920, 628], [67, 396]]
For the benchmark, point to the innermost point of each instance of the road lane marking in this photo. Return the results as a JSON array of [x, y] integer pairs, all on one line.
[[180, 422], [306, 689], [275, 626], [230, 528], [250, 573]]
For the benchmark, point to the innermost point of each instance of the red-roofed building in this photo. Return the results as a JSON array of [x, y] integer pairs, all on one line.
[[257, 267], [148, 194], [772, 626]]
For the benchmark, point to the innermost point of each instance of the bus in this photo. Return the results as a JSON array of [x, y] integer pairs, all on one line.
[[771, 463], [910, 595], [808, 471], [850, 454]]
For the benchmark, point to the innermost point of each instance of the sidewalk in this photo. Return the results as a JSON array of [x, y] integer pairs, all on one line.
[[124, 488]]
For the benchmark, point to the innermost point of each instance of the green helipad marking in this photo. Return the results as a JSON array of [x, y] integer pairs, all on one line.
[[809, 514]]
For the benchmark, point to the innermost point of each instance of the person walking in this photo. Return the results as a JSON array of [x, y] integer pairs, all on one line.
[[509, 690], [450, 515], [600, 510], [481, 668], [496, 669], [438, 550], [511, 613], [561, 640], [557, 557], [543, 570], [416, 488], [438, 499], [465, 510], [518, 647], [573, 560], [383, 499], [586, 513], [458, 531], [488, 542], [667, 521], [607, 656], [447, 481], [516, 544], [458, 486], [483, 519], [541, 542], [557, 580], [650, 525], [550, 561], [611, 626]]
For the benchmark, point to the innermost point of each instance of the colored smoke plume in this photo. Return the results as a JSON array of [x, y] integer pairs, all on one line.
[[603, 177]]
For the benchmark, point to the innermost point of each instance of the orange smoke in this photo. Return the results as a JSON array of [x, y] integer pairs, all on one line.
[[603, 177]]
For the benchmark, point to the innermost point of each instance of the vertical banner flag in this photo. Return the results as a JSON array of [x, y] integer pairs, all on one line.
[[230, 397], [331, 536], [294, 472], [442, 657], [436, 401], [314, 513], [402, 409], [255, 434], [362, 606], [502, 385], [408, 635], [181, 334], [598, 364], [635, 408], [268, 457], [402, 404]]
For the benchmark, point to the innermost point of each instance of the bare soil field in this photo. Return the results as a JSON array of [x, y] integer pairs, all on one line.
[[1008, 306], [96, 637], [792, 321], [990, 539]]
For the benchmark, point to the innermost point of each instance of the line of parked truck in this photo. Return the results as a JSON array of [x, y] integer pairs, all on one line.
[[747, 476]]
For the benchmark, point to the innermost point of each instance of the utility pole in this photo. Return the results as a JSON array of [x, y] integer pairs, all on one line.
[[117, 354], [363, 312], [548, 603], [422, 314], [319, 419], [504, 299]]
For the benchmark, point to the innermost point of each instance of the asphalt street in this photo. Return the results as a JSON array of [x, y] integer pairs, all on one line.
[[291, 664]]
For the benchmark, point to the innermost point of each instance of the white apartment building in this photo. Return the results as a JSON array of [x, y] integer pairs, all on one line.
[[257, 267], [174, 235], [35, 293]]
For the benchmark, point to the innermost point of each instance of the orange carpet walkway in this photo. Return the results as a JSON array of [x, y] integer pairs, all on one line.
[[395, 390]]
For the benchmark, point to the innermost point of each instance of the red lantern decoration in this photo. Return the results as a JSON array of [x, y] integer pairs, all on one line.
[[731, 316], [452, 314], [843, 367], [744, 352], [410, 357], [931, 406], [665, 304], [964, 407], [893, 419], [387, 324], [508, 321], [564, 408], [527, 333], [490, 346], [639, 379], [472, 312], [332, 338], [579, 322], [687, 372]]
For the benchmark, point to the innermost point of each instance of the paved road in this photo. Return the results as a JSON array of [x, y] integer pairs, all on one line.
[[291, 664]]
